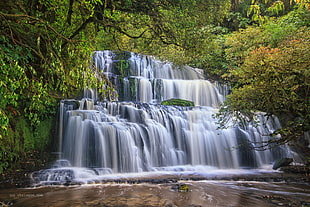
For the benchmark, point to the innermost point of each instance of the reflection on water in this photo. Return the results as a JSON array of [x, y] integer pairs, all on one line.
[[201, 193]]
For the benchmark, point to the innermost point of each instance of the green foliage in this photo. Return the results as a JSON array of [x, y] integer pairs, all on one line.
[[261, 11], [178, 102], [22, 138], [12, 79], [287, 25], [276, 81], [236, 20], [269, 71], [276, 8], [24, 133], [296, 18], [240, 44]]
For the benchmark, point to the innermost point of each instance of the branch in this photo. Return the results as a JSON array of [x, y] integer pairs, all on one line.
[[70, 11], [120, 30], [83, 26], [36, 19], [38, 53], [125, 33], [169, 43]]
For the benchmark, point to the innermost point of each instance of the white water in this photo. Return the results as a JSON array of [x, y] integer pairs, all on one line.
[[140, 135]]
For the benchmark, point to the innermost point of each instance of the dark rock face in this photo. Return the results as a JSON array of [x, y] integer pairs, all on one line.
[[282, 163], [72, 104], [61, 163]]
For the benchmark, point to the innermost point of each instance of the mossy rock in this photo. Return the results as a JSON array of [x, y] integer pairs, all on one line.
[[180, 188], [177, 102]]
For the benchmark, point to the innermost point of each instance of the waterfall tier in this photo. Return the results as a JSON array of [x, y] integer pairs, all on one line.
[[128, 137], [144, 79]]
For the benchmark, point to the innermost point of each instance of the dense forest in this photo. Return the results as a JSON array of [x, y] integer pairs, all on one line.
[[259, 47]]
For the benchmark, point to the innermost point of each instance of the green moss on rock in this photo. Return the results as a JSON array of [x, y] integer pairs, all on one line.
[[178, 102], [22, 139]]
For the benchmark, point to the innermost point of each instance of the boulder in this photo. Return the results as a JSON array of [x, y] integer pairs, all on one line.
[[282, 163]]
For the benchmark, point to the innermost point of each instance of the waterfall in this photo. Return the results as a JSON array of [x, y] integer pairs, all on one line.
[[138, 134]]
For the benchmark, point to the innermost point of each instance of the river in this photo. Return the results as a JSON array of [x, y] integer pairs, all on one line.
[[267, 189]]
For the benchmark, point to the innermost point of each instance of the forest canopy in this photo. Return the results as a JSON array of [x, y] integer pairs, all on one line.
[[259, 47]]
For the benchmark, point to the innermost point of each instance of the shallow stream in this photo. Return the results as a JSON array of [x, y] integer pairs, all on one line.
[[224, 189]]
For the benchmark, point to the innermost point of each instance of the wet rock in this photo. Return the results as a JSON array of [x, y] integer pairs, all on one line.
[[61, 163], [180, 188], [103, 171], [282, 201], [282, 163], [296, 169], [56, 176], [73, 104]]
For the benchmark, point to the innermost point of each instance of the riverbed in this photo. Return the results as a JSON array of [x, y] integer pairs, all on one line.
[[168, 190]]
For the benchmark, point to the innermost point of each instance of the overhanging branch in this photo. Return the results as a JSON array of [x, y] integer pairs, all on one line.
[[38, 20]]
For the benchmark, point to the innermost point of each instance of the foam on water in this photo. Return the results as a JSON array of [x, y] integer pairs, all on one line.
[[79, 175]]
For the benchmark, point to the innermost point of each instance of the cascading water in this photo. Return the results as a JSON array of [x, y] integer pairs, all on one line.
[[138, 134]]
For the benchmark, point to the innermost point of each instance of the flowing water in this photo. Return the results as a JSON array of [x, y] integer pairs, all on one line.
[[136, 136]]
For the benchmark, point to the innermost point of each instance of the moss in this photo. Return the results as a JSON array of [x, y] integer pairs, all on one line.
[[34, 139], [24, 134], [22, 139], [178, 102], [180, 188], [122, 65], [183, 188], [43, 134]]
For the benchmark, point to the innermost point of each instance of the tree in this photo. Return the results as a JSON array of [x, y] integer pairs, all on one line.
[[276, 81]]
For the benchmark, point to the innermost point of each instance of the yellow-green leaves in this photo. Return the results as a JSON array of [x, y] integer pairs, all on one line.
[[302, 3], [274, 80], [276, 8], [269, 70]]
